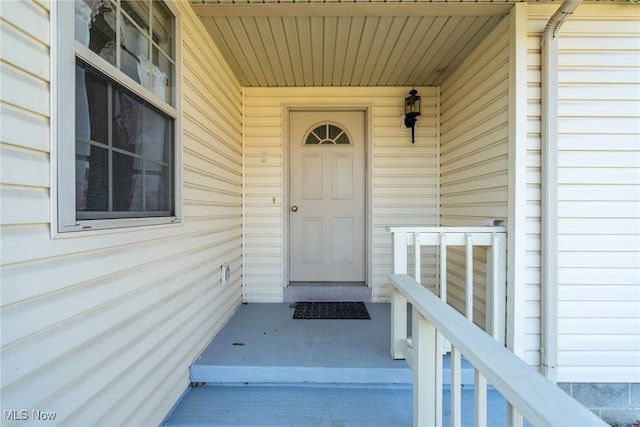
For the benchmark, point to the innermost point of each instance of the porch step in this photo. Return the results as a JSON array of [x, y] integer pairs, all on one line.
[[238, 374], [265, 368], [327, 291], [289, 406], [294, 406], [262, 344]]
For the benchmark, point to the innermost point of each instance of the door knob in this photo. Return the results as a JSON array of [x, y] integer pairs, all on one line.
[[294, 208]]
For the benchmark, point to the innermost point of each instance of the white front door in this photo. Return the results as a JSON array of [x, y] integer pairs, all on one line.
[[327, 196]]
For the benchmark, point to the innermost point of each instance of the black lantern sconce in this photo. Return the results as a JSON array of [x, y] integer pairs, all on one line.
[[411, 111]]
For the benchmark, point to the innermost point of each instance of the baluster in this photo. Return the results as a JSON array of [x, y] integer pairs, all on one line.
[[480, 416], [456, 388], [469, 276], [417, 257], [442, 288]]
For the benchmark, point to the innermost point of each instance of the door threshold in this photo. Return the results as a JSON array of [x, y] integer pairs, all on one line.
[[327, 291], [328, 284]]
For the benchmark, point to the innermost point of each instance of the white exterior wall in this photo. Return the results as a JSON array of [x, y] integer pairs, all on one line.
[[403, 188], [599, 189], [474, 155], [101, 327]]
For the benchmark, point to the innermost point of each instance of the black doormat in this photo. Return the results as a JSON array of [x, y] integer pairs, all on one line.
[[331, 310]]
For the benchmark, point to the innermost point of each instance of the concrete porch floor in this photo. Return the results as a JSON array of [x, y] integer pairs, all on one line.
[[261, 336], [266, 369]]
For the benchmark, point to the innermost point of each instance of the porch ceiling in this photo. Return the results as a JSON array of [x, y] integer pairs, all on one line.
[[283, 43], [280, 43]]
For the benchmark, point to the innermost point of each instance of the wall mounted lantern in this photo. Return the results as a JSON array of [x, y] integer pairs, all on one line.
[[411, 111]]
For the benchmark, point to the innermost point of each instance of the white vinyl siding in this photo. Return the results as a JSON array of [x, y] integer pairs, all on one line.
[[101, 328], [474, 155], [404, 179], [534, 194], [599, 192]]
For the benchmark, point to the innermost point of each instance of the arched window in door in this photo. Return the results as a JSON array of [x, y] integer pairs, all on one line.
[[327, 133]]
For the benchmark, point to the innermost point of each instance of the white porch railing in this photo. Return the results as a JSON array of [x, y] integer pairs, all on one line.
[[537, 399]]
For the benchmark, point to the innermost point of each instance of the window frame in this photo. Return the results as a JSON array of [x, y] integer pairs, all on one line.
[[64, 52]]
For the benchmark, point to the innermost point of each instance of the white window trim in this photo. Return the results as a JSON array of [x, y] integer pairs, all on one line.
[[64, 49]]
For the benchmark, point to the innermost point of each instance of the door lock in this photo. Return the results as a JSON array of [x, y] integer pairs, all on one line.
[[294, 208]]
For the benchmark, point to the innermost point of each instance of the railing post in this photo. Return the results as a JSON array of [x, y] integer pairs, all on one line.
[[425, 354], [398, 301], [496, 287]]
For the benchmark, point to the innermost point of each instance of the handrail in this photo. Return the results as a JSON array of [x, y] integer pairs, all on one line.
[[537, 399]]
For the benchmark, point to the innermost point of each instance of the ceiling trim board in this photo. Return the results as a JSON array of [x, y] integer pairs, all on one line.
[[344, 9]]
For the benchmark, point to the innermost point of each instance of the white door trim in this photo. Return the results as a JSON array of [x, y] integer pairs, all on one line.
[[368, 109]]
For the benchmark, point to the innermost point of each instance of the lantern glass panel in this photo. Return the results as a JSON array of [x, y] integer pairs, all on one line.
[[412, 104]]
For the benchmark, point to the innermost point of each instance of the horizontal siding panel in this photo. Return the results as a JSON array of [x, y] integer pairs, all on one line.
[[596, 242], [612, 159], [34, 243], [609, 226], [596, 259], [23, 128], [53, 278], [13, 161], [103, 297], [22, 51], [598, 125], [618, 58], [594, 293], [601, 373], [594, 143], [598, 276], [612, 343], [602, 92], [482, 145], [592, 41], [200, 161], [600, 193], [478, 169], [24, 91], [593, 108], [494, 195], [28, 17], [587, 326], [598, 176], [198, 140], [202, 177], [24, 205], [493, 46], [487, 181], [221, 131], [600, 209], [594, 358], [606, 309], [602, 75]]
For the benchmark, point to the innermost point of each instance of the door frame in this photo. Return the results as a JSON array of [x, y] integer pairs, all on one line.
[[367, 108]]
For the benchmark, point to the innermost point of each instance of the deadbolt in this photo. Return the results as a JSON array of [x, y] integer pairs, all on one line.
[[294, 208]]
